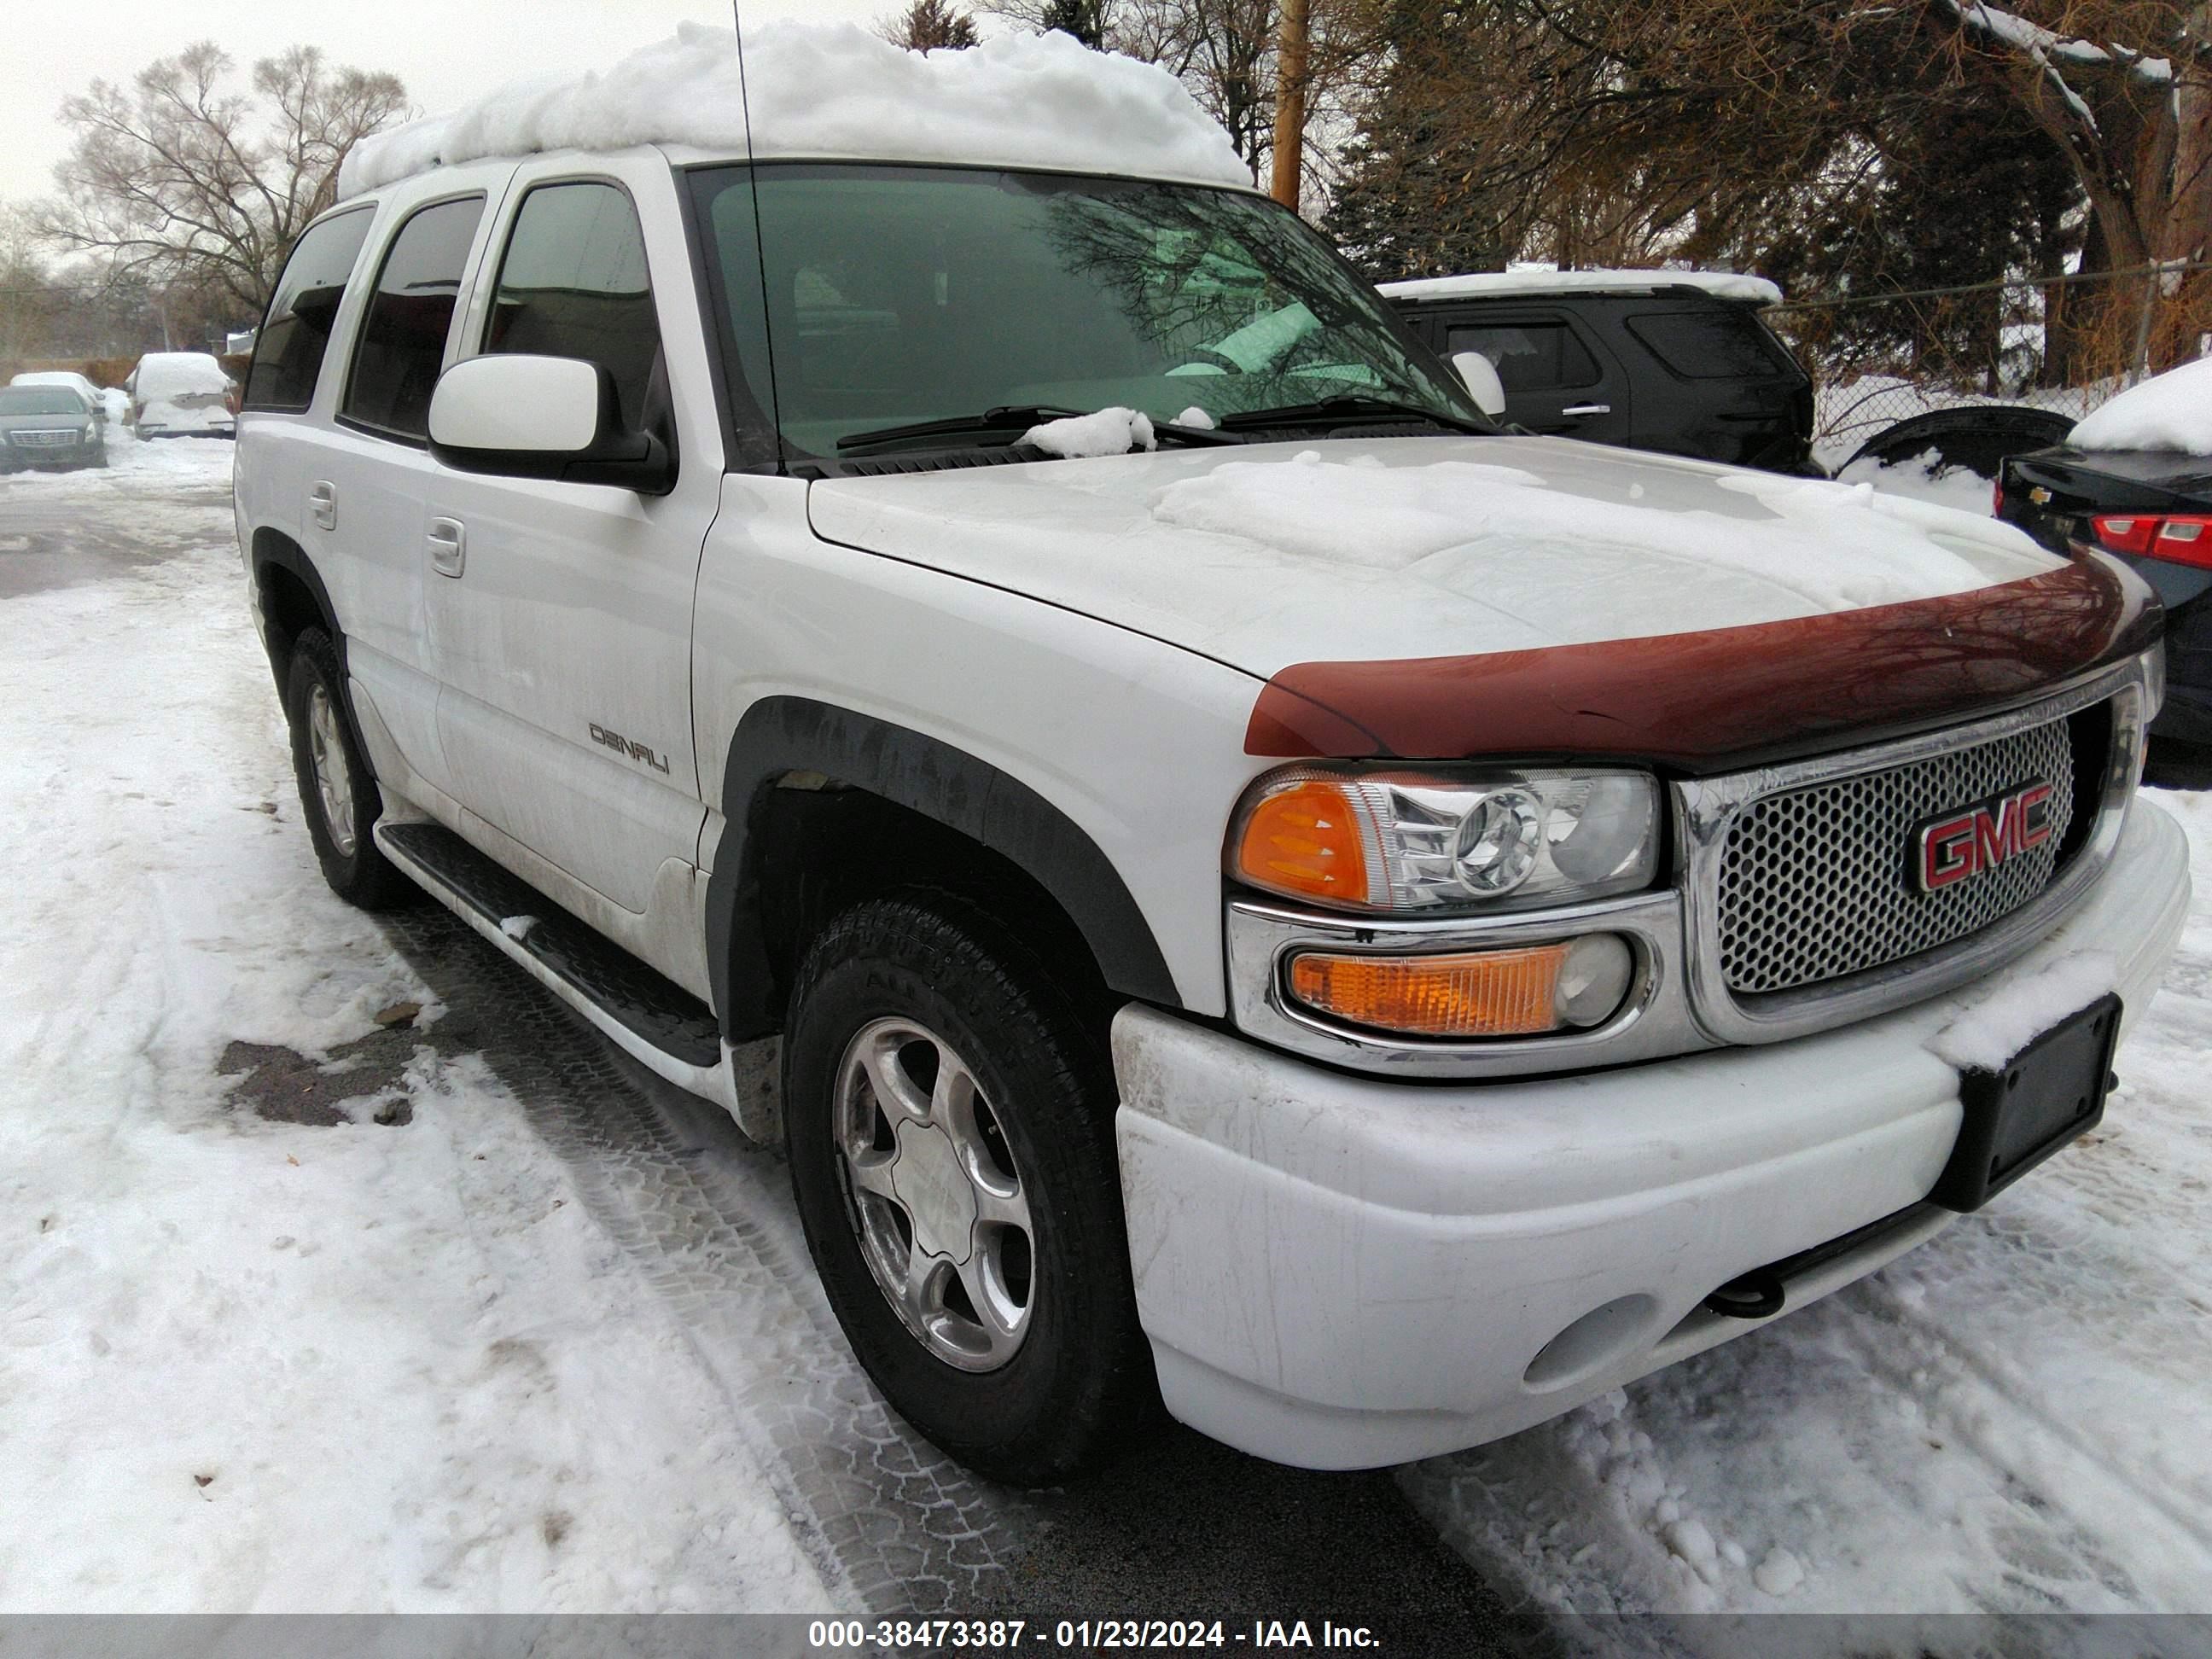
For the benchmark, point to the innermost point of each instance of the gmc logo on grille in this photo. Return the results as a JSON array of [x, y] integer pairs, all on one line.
[[1966, 842]]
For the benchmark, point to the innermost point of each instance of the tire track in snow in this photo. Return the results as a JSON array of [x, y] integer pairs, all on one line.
[[705, 1217]]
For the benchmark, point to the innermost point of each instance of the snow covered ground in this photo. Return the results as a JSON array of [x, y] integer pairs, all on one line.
[[251, 1365]]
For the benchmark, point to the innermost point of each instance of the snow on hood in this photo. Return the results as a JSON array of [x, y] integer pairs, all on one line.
[[2172, 411], [838, 91], [1483, 284], [1395, 548]]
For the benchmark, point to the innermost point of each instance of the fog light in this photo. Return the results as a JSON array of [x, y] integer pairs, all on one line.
[[1593, 980]]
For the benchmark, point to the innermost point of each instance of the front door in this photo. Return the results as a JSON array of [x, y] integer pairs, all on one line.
[[560, 614]]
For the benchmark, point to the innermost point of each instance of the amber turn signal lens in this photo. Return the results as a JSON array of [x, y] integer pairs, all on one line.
[[1305, 839], [1477, 994]]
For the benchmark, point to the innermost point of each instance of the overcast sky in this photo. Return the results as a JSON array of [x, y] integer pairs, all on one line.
[[445, 51]]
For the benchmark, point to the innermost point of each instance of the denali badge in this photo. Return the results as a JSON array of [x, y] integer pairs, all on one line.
[[1947, 850], [622, 745]]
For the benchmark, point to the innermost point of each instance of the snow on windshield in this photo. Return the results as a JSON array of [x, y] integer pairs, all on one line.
[[2172, 411], [171, 374], [838, 91]]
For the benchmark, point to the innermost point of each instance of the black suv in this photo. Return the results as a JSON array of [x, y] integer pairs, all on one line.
[[1671, 361]]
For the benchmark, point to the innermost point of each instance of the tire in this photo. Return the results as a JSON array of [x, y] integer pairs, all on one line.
[[315, 707], [929, 988]]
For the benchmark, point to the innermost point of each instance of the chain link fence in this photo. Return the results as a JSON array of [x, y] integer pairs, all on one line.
[[2062, 343]]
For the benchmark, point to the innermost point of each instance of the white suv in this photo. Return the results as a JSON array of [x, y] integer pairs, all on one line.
[[1268, 896]]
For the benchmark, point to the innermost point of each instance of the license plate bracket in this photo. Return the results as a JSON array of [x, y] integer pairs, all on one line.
[[2048, 1094]]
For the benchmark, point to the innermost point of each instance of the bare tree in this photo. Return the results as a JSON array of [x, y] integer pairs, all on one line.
[[187, 184], [929, 26]]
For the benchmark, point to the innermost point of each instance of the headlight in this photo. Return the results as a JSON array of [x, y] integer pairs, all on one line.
[[1408, 841], [85, 436]]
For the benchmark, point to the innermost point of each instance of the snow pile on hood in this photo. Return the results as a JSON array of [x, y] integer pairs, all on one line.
[[1838, 547], [1543, 279], [1103, 432], [163, 375], [2172, 411], [838, 91]]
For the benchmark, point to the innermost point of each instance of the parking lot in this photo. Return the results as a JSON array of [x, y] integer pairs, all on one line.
[[346, 1272]]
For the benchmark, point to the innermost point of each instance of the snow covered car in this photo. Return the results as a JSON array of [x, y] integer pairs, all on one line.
[[96, 397], [1671, 361], [48, 426], [2135, 481], [1239, 887], [181, 393]]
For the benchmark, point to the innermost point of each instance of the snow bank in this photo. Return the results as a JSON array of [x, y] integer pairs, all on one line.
[[1102, 432], [1990, 1032], [1835, 547], [2172, 411], [839, 92], [1539, 279]]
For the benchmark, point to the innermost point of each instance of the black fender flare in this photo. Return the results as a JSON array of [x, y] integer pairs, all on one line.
[[273, 547], [781, 735]]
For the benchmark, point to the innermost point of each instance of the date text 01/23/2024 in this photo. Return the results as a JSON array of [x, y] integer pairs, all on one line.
[[1083, 1635]]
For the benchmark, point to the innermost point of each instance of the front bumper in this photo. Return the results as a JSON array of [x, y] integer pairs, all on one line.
[[1339, 1272]]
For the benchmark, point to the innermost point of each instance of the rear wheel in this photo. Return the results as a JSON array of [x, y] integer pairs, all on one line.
[[950, 1130], [338, 792]]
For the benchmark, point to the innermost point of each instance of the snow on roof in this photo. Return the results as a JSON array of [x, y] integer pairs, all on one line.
[[1728, 284], [838, 92], [2172, 411]]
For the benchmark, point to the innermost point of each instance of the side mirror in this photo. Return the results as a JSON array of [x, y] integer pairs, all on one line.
[[1479, 375], [543, 417]]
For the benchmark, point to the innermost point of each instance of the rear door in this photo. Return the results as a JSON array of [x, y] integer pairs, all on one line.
[[560, 614], [1725, 390], [366, 489], [1558, 377]]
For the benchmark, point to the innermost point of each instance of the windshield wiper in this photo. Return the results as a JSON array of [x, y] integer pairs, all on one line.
[[1017, 418], [1334, 411], [1006, 417]]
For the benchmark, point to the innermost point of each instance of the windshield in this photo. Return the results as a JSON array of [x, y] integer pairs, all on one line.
[[898, 295], [39, 400]]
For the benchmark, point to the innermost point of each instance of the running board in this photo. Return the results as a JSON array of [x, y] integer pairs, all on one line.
[[647, 1015]]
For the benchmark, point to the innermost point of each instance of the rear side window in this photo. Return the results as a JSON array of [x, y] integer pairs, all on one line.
[[572, 283], [403, 337], [1707, 345], [1528, 356], [288, 353]]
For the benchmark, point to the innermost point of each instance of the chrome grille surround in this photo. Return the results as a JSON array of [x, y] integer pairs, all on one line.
[[1708, 810], [44, 438], [1815, 883]]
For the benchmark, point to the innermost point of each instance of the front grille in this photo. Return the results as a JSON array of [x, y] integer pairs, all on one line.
[[1816, 884], [46, 439]]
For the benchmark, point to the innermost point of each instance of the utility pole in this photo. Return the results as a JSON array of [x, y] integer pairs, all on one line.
[[1291, 41]]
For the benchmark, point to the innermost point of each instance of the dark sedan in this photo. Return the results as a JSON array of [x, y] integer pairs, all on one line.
[[2151, 509], [48, 426]]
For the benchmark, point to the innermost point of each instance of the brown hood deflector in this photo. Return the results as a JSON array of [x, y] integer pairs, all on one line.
[[1725, 698]]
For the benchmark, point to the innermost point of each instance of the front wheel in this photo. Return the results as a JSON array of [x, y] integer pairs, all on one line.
[[950, 1131]]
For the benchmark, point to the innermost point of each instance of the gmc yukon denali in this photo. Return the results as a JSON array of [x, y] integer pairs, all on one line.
[[989, 652]]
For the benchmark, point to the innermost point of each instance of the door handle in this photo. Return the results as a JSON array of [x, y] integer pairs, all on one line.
[[1580, 409], [449, 545], [323, 504]]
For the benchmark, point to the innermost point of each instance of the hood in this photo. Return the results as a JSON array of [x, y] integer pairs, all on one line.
[[1268, 555]]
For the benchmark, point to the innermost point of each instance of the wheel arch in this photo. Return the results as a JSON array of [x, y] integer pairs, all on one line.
[[808, 781], [292, 598]]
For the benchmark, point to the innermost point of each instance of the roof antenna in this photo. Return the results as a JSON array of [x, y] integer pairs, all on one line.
[[760, 242]]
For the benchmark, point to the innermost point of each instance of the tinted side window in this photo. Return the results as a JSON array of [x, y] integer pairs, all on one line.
[[403, 337], [288, 353], [1528, 356], [572, 283], [1707, 345]]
